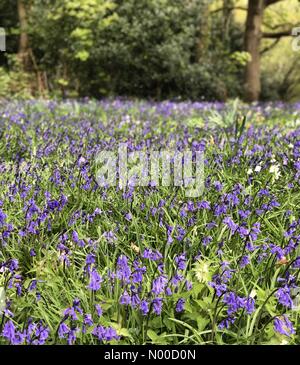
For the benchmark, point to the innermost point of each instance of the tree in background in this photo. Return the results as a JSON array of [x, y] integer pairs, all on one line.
[[24, 51], [190, 49], [145, 48], [253, 37]]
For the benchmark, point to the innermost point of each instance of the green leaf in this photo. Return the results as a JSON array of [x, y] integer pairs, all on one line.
[[152, 335], [2, 299], [82, 55]]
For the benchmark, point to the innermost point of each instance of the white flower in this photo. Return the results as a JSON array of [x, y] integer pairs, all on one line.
[[284, 342], [253, 293], [257, 168], [274, 169], [202, 271], [297, 122], [249, 172]]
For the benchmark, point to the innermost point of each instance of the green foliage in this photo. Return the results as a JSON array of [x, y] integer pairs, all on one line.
[[14, 82], [241, 58], [65, 38], [147, 48], [148, 52], [48, 146]]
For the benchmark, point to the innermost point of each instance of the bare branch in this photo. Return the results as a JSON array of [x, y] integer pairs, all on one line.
[[270, 47], [229, 9], [283, 25], [270, 2], [285, 33]]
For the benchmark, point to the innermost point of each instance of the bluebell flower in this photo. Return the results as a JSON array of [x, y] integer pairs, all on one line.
[[230, 224], [168, 291], [220, 288], [3, 217], [95, 281], [110, 236], [159, 284], [180, 233], [135, 300], [283, 296], [249, 305], [72, 336], [157, 305], [90, 259], [105, 333], [180, 305], [63, 330], [255, 230], [137, 276], [111, 334], [203, 205], [42, 333], [76, 305], [99, 310], [245, 260], [152, 255], [144, 307], [220, 209], [87, 320], [181, 261], [125, 298], [296, 263], [225, 323], [206, 240], [9, 331], [188, 285], [32, 252], [218, 185], [284, 326], [232, 301], [244, 214], [123, 269], [32, 286], [243, 232], [71, 312], [176, 279], [277, 250], [75, 237], [13, 265]]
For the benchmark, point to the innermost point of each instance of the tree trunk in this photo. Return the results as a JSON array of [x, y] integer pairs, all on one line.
[[23, 52], [204, 31], [228, 7], [252, 45]]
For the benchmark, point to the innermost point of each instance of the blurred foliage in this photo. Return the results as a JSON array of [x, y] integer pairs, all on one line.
[[141, 48], [14, 82]]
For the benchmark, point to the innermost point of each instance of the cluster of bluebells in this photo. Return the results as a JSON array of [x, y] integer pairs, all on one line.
[[134, 280], [33, 334], [135, 251], [234, 303], [75, 323]]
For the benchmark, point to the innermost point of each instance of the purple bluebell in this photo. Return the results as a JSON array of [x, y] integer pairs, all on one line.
[[180, 305], [144, 307], [284, 326], [95, 281], [283, 296], [63, 330], [159, 284], [180, 261], [157, 305]]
